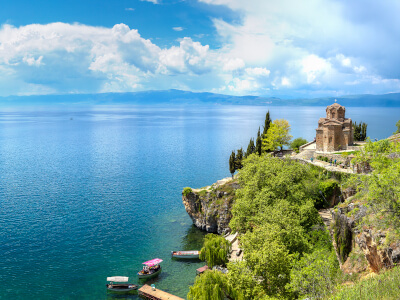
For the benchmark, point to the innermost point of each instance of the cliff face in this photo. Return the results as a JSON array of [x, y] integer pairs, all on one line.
[[210, 207], [361, 247]]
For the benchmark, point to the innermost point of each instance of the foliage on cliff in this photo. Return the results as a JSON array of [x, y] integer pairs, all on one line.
[[215, 250], [381, 189], [275, 213], [287, 254], [270, 186], [212, 286]]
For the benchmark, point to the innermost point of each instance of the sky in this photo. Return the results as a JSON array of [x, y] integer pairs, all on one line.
[[285, 48]]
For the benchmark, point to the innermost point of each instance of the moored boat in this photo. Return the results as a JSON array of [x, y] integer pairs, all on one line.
[[193, 254], [120, 287], [151, 269]]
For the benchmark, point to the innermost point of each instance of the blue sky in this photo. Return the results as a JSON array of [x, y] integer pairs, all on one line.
[[257, 47]]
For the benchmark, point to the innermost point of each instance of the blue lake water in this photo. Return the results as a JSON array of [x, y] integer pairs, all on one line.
[[87, 193]]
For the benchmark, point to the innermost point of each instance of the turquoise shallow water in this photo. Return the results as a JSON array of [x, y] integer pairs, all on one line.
[[87, 193]]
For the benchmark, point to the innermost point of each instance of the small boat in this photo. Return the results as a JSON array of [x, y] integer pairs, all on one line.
[[193, 254], [120, 287], [151, 269]]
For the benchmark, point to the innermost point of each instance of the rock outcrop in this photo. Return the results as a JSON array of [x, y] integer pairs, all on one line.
[[359, 248], [210, 207], [344, 223]]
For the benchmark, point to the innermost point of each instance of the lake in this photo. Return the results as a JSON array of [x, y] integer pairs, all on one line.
[[91, 192]]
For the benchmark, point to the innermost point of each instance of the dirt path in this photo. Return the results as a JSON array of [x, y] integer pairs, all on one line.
[[326, 216]]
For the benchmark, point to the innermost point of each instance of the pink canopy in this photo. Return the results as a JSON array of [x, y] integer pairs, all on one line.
[[153, 262]]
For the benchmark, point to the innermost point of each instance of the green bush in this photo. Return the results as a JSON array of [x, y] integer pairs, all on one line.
[[315, 274], [326, 190], [186, 191], [296, 143]]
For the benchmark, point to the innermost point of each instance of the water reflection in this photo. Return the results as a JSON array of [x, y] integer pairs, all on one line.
[[193, 240]]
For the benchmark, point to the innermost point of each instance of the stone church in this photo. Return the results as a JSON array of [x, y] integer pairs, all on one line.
[[335, 132]]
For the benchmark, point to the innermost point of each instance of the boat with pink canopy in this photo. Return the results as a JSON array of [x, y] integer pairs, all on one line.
[[150, 269]]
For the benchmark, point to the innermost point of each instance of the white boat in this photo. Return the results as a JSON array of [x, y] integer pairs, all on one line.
[[193, 254], [120, 287]]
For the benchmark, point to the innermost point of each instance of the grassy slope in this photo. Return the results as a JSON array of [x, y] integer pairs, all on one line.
[[383, 286]]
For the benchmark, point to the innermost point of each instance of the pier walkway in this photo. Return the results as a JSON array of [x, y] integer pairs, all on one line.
[[147, 292]]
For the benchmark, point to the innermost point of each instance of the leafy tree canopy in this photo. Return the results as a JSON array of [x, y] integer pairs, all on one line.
[[382, 186], [315, 274], [215, 250], [213, 285], [296, 143], [266, 181], [277, 135]]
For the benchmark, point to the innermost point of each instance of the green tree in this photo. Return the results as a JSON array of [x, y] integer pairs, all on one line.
[[382, 186], [267, 124], [251, 148], [268, 258], [241, 275], [398, 127], [363, 131], [265, 181], [316, 274], [277, 135], [356, 132], [213, 285], [239, 159], [359, 131], [259, 143], [296, 143], [215, 250], [232, 167]]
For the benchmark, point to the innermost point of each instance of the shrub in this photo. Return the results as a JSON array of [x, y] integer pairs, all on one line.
[[296, 143], [186, 191]]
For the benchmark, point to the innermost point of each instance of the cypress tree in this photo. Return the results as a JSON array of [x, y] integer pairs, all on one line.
[[258, 143], [239, 158], [357, 132], [232, 167], [267, 123], [360, 131], [251, 148], [364, 131]]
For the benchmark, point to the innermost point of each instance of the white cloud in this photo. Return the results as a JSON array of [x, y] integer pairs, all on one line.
[[285, 81], [152, 1], [31, 61], [87, 59], [314, 67], [324, 47], [258, 72], [129, 9], [320, 45], [233, 64]]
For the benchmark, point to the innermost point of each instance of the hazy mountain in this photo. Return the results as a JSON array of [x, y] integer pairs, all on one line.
[[184, 97]]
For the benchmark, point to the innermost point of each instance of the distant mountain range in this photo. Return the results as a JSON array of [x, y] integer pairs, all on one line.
[[184, 97]]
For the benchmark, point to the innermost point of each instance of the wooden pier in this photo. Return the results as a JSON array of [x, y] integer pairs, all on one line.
[[147, 292], [201, 270]]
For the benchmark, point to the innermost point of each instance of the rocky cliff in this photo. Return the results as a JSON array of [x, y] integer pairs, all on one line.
[[210, 207], [361, 247]]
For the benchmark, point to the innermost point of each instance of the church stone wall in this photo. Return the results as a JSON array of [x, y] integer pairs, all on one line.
[[334, 132]]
